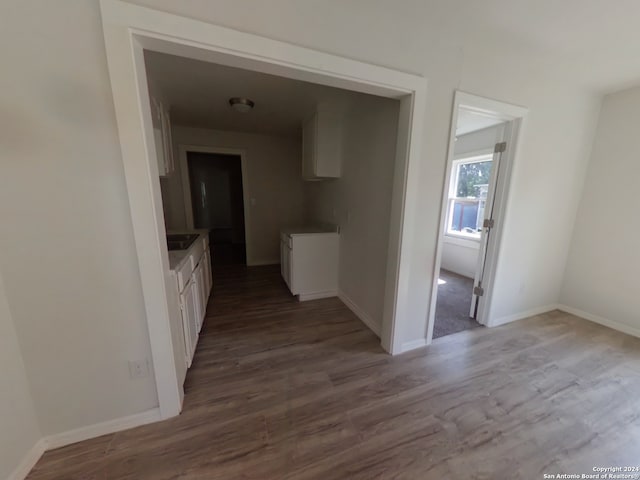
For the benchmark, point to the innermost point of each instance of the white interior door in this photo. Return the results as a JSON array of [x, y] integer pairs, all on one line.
[[487, 229]]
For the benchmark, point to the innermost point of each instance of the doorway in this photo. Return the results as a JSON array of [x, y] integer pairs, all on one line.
[[483, 143], [217, 202], [128, 31]]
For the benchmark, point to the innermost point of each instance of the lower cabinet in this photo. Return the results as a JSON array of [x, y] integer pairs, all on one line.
[[189, 306], [193, 302], [309, 264]]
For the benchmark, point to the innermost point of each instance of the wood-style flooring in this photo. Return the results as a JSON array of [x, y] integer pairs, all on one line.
[[288, 390]]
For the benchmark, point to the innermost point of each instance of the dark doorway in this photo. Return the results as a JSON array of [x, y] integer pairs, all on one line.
[[218, 204]]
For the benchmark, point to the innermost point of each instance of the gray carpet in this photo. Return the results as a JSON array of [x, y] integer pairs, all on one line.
[[452, 307]]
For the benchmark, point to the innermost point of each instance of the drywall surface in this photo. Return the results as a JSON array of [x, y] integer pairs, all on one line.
[[460, 256], [19, 430], [273, 183], [68, 258], [601, 278], [68, 255], [551, 163], [360, 200]]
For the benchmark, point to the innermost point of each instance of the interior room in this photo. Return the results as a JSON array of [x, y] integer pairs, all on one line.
[[279, 179], [224, 225], [470, 196]]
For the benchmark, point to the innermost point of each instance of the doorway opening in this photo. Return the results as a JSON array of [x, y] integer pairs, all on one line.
[[129, 31], [217, 203], [483, 143]]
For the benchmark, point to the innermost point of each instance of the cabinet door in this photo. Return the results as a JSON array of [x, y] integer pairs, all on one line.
[[309, 142], [189, 306], [202, 291], [205, 276], [209, 271]]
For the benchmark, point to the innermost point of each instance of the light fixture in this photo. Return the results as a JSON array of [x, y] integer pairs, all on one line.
[[241, 104]]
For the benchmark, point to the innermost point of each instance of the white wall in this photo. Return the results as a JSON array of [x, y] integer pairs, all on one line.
[[460, 255], [273, 180], [554, 148], [601, 278], [67, 250], [19, 430], [68, 256], [360, 201]]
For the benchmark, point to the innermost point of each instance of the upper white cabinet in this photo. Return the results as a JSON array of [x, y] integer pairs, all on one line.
[[162, 137], [322, 145]]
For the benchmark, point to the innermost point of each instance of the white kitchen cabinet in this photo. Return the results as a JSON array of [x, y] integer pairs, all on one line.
[[322, 145], [208, 276], [161, 122], [193, 280], [309, 263], [189, 308], [198, 275]]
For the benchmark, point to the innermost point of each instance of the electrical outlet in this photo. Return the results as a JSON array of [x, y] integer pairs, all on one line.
[[138, 368]]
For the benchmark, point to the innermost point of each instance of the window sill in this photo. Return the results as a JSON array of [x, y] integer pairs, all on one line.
[[462, 241]]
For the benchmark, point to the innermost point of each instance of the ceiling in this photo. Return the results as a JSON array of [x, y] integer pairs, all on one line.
[[198, 93], [594, 43], [471, 121]]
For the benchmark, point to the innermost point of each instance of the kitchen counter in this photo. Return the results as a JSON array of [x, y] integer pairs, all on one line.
[[309, 229], [178, 257]]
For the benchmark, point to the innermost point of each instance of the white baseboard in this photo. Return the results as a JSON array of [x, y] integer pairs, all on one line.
[[29, 461], [78, 435], [360, 313], [413, 344], [104, 428], [522, 315], [259, 263], [621, 327], [303, 297]]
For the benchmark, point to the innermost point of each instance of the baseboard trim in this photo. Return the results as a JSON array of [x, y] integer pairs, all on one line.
[[413, 344], [360, 313], [522, 315], [260, 263], [29, 460], [104, 428], [303, 297], [621, 327]]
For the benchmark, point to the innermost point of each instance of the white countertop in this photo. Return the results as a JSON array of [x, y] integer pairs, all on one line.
[[178, 257], [308, 229]]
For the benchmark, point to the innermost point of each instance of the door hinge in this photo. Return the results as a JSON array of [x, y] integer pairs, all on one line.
[[488, 223], [478, 291], [500, 147]]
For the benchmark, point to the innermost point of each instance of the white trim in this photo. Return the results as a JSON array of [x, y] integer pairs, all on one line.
[[474, 153], [104, 428], [515, 115], [461, 242], [128, 30], [303, 297], [63, 439], [363, 316], [621, 327], [29, 461], [521, 315], [246, 193], [413, 344], [259, 263]]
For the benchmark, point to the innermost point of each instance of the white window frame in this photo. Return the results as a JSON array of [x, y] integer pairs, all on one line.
[[451, 198]]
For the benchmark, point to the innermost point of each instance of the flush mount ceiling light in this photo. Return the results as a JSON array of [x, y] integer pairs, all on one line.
[[241, 104]]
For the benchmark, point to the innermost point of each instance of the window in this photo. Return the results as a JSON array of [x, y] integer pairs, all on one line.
[[468, 196]]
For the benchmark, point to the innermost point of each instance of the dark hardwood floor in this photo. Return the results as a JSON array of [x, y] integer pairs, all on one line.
[[287, 390]]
